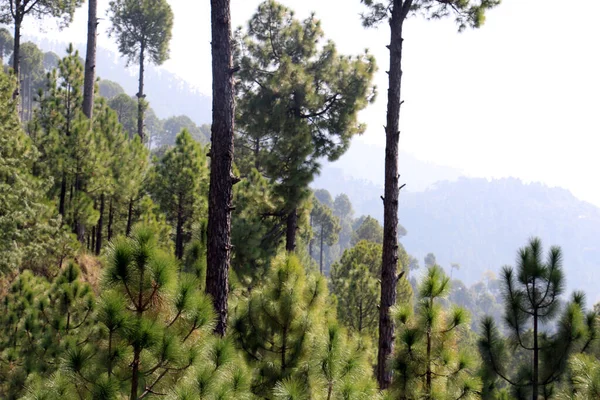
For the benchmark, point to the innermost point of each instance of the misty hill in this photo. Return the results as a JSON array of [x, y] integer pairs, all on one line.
[[481, 224], [168, 94]]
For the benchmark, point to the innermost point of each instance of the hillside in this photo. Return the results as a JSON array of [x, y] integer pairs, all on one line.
[[481, 224]]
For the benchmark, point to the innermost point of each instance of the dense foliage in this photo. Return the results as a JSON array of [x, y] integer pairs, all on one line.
[[104, 241]]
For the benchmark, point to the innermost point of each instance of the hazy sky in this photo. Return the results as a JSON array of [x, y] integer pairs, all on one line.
[[519, 97]]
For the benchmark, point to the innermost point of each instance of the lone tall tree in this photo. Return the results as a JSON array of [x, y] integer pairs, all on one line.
[[221, 152], [15, 11], [90, 59], [143, 32], [466, 13], [299, 100]]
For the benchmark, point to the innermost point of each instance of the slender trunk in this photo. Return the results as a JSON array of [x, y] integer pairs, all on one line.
[[292, 227], [129, 218], [90, 59], [109, 228], [536, 372], [135, 371], [140, 96], [17, 48], [390, 203], [221, 176], [428, 374], [100, 226], [63, 194], [321, 253]]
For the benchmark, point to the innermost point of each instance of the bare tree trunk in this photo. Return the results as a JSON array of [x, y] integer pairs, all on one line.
[[17, 48], [221, 177], [109, 229], [90, 59], [389, 274], [100, 226], [536, 359], [141, 96]]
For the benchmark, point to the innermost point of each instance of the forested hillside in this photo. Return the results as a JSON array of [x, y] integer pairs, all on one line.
[[149, 250], [475, 223]]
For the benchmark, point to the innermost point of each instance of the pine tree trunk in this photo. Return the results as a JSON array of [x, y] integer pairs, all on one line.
[[135, 372], [140, 96], [79, 226], [292, 227], [100, 227], [90, 59], [321, 251], [63, 195], [17, 49], [390, 203], [536, 372], [221, 177], [92, 237]]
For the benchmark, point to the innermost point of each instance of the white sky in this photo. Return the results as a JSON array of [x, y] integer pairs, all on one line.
[[519, 97]]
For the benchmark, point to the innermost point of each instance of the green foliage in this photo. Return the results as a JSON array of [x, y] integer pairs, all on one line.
[[274, 325], [126, 108], [326, 227], [63, 10], [142, 27], [109, 89], [298, 100], [30, 234], [427, 362], [173, 125], [466, 13], [369, 229], [531, 300], [583, 378], [42, 322], [6, 44], [180, 187], [355, 282], [256, 229]]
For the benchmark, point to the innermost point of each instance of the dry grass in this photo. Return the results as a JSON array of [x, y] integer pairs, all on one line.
[[91, 270]]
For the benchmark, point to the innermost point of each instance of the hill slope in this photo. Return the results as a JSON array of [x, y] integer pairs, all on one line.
[[481, 224]]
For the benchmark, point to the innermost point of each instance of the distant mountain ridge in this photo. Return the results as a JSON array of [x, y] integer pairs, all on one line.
[[481, 224], [168, 94]]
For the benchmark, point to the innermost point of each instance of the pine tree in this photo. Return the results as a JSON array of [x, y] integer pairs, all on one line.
[[15, 11], [466, 13], [30, 234], [274, 325], [180, 187], [154, 320], [143, 32], [369, 229], [427, 362], [6, 44], [90, 59], [326, 226], [299, 100], [532, 301]]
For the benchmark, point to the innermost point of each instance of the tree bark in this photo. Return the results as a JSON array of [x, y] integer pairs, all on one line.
[[17, 49], [536, 371], [221, 152], [100, 226], [290, 234], [63, 195], [90, 59], [140, 96], [389, 273]]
